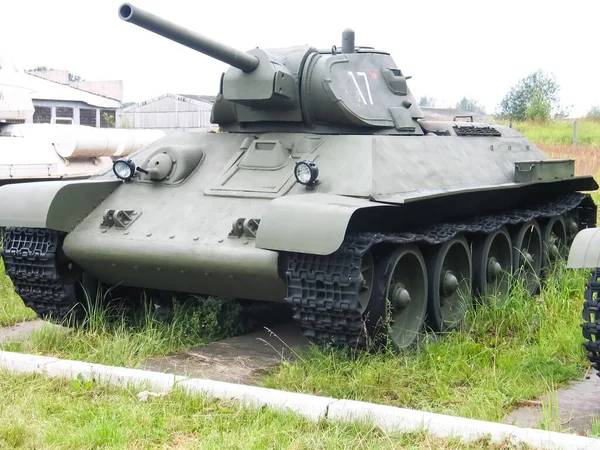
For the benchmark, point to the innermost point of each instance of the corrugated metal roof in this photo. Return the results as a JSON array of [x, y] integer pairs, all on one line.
[[201, 98], [195, 99], [43, 89]]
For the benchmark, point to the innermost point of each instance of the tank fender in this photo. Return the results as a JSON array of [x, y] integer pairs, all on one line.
[[585, 249], [58, 205], [312, 223]]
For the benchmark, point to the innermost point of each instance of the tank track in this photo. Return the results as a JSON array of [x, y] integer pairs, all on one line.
[[590, 313], [323, 290], [30, 260]]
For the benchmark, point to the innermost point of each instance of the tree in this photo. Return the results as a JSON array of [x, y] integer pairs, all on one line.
[[428, 102], [593, 114], [534, 97], [467, 104]]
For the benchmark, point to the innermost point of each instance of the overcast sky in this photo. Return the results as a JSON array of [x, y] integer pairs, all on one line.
[[472, 48]]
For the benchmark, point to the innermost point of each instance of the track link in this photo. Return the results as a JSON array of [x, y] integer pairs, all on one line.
[[323, 290], [31, 262]]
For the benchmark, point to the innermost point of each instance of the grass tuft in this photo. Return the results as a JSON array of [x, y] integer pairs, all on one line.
[[115, 335]]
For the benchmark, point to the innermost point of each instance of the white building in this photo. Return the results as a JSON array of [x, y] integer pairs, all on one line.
[[59, 102]]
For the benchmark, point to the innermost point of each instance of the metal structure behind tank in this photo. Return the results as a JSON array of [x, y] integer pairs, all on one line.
[[324, 188]]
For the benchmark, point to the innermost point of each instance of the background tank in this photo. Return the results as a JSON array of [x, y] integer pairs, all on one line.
[[585, 253], [31, 152], [325, 188]]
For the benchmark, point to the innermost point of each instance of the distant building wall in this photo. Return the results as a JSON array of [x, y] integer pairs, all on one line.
[[169, 112]]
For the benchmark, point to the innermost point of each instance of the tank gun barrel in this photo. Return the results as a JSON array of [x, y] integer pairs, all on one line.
[[191, 39]]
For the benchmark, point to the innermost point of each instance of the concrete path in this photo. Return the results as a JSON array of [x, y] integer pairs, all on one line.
[[571, 409], [241, 359], [19, 330]]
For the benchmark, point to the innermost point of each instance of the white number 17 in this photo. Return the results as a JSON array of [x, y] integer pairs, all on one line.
[[364, 75]]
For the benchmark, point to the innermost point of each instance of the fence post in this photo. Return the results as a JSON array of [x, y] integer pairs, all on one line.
[[575, 125]]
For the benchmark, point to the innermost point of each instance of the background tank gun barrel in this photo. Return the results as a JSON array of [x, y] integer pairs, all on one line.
[[191, 39]]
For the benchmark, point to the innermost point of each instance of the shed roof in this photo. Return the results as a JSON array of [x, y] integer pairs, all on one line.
[[43, 89]]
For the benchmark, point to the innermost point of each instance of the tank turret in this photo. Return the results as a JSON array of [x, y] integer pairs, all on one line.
[[352, 89]]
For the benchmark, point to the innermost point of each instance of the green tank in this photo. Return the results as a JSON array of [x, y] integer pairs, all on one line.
[[324, 187]]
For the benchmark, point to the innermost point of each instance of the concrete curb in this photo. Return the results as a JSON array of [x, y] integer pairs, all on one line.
[[313, 407]]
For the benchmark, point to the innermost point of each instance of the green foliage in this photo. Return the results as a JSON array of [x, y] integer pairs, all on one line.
[[534, 97], [593, 114], [559, 132], [467, 104], [539, 109], [12, 309], [109, 119], [427, 101], [502, 355], [115, 335]]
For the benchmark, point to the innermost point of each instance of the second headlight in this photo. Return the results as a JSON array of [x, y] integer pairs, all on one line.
[[306, 172]]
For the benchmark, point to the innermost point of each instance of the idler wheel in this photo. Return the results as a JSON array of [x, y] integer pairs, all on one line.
[[554, 239], [449, 267], [527, 255], [492, 264], [396, 312]]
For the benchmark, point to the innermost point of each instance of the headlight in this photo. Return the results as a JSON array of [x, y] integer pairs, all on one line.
[[124, 169], [306, 172]]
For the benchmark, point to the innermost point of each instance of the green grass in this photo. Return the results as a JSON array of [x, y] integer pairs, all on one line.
[[127, 340], [12, 309], [502, 356], [560, 132], [37, 412]]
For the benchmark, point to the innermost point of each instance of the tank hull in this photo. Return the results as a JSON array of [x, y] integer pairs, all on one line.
[[227, 271], [183, 235]]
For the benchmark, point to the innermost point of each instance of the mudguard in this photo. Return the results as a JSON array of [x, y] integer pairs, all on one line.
[[585, 250], [288, 223], [57, 205]]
